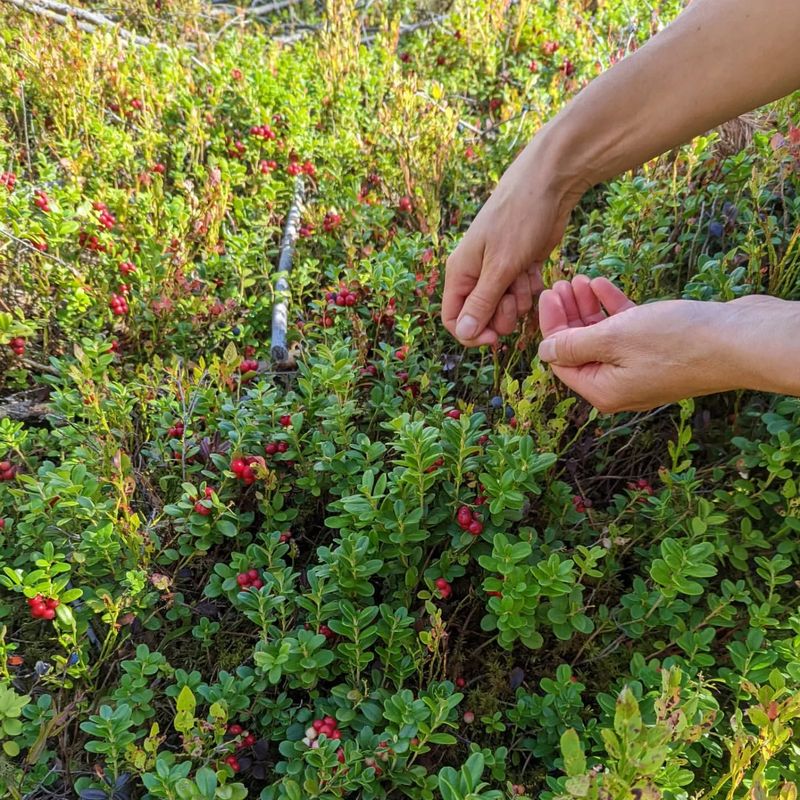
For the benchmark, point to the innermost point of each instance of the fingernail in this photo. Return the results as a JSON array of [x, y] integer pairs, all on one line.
[[467, 327], [547, 350]]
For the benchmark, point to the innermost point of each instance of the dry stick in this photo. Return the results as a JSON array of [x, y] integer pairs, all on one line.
[[86, 21], [425, 23], [269, 8], [280, 352]]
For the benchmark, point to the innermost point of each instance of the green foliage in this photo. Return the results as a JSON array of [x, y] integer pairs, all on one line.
[[623, 620]]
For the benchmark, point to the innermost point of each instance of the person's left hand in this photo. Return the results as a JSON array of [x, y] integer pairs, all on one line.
[[624, 357]]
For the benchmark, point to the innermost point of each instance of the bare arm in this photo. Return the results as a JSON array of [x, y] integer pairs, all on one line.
[[718, 59]]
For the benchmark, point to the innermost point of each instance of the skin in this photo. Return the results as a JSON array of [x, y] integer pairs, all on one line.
[[708, 66]]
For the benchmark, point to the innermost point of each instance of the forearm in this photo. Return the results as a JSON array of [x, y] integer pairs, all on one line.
[[759, 342], [718, 59]]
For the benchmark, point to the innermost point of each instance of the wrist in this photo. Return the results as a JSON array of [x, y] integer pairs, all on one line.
[[760, 340]]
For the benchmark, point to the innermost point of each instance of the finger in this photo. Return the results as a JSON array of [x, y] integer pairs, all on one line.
[[505, 319], [521, 289], [460, 278], [535, 279], [588, 304], [482, 302], [595, 383], [552, 316], [614, 300], [564, 290], [575, 347]]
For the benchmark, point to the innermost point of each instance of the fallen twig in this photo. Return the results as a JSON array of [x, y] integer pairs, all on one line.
[[87, 21], [405, 29], [280, 312]]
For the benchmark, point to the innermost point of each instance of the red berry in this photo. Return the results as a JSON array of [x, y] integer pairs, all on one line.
[[38, 609], [317, 725], [256, 584], [326, 632], [405, 204], [237, 466], [49, 613], [252, 574], [282, 447], [199, 508], [476, 527], [285, 420], [469, 717], [454, 413], [52, 602], [209, 491], [460, 683], [243, 579], [234, 729], [233, 763], [464, 517], [340, 755], [249, 740], [2, 523]]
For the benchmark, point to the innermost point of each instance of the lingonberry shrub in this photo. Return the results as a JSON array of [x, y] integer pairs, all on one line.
[[388, 566]]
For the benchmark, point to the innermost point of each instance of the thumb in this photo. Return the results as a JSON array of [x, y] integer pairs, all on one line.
[[482, 303], [574, 347]]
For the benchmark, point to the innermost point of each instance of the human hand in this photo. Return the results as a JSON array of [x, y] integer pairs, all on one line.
[[493, 276], [624, 357]]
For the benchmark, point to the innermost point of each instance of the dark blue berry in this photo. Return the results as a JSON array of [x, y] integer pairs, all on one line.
[[716, 229], [496, 401]]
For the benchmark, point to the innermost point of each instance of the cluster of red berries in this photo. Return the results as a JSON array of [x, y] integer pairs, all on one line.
[[267, 165], [328, 727], [567, 68], [250, 579], [106, 218], [405, 205], [237, 148], [344, 297], [642, 485], [332, 220], [247, 740], [248, 365], [469, 521], [137, 104], [548, 48], [306, 231], [41, 201], [241, 467], [581, 503], [43, 607], [126, 268], [262, 132], [91, 242], [276, 447], [202, 509], [294, 167], [17, 344], [444, 588], [118, 305], [9, 180], [7, 471], [176, 431]]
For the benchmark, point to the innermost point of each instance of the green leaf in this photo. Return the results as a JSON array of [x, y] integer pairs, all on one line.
[[206, 780], [572, 753]]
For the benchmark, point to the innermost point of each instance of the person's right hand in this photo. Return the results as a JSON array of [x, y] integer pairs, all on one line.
[[493, 276]]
